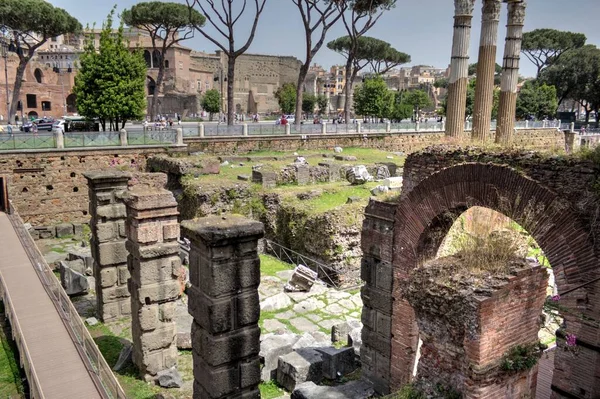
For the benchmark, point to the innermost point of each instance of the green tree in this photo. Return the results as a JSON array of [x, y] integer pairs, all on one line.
[[538, 100], [543, 47], [373, 98], [223, 20], [308, 103], [286, 97], [31, 23], [211, 102], [322, 103], [167, 24], [418, 99], [576, 76], [110, 84], [441, 83], [400, 109], [359, 17], [318, 16], [497, 73]]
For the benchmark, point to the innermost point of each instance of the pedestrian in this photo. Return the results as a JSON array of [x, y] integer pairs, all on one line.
[[34, 127], [9, 128], [179, 119]]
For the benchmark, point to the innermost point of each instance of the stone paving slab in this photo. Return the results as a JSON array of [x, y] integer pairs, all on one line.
[[303, 324]]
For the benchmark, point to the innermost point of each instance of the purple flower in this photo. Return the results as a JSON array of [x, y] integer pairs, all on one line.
[[555, 298], [571, 340]]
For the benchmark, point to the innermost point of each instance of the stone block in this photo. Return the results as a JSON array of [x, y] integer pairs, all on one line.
[[112, 253], [105, 231], [160, 338], [224, 278], [46, 232], [108, 277], [167, 290], [148, 317], [360, 389], [271, 348], [302, 279], [166, 311], [170, 231], [300, 366], [224, 381], [215, 230], [113, 211], [153, 251], [123, 273], [337, 362], [225, 348], [78, 230], [64, 230], [72, 281], [275, 302], [155, 270], [339, 332]]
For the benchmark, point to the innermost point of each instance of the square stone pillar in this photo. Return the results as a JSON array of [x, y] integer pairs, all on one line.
[[108, 214], [154, 264], [223, 299]]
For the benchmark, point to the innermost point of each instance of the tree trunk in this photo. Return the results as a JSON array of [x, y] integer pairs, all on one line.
[[210, 116], [587, 115], [597, 109], [299, 91], [230, 82], [159, 80], [348, 88], [17, 88]]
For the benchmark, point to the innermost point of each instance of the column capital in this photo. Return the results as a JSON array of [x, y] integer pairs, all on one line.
[[516, 13], [464, 7], [491, 10]]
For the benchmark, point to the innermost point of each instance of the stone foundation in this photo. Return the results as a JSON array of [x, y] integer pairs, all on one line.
[[223, 299], [108, 213], [154, 264]]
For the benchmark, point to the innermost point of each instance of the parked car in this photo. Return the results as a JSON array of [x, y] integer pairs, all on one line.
[[59, 125], [43, 124]]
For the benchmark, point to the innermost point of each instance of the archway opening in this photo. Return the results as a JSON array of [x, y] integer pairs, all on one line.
[[147, 58], [486, 298], [32, 115], [151, 86], [38, 75], [72, 103]]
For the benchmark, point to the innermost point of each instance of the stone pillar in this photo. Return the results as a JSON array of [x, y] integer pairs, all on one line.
[[123, 137], [201, 129], [223, 299], [245, 129], [358, 127], [108, 214], [60, 139], [179, 136], [288, 129], [388, 127], [510, 72], [323, 127], [459, 68], [154, 265], [486, 68]]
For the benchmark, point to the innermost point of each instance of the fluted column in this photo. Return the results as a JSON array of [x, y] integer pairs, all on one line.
[[510, 72], [459, 68], [486, 68]]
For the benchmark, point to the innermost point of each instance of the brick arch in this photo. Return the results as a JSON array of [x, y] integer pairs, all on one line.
[[424, 215]]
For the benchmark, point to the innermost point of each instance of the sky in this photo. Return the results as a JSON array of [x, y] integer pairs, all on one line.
[[420, 28]]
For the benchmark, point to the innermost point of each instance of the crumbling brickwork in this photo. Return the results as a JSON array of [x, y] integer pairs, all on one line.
[[223, 299], [107, 210], [154, 265]]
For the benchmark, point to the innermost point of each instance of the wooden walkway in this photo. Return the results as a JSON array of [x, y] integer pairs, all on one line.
[[56, 363], [545, 372]]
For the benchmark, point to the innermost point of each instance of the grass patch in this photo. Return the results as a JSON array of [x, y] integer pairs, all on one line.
[[334, 196], [270, 390], [270, 266], [271, 315], [11, 383]]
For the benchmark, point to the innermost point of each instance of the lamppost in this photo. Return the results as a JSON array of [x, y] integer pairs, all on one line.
[[59, 68]]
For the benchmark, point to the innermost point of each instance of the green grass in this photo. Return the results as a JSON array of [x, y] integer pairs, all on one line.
[[270, 390], [270, 266], [11, 385]]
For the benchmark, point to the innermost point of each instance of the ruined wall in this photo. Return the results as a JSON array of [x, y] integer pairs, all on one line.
[[405, 142], [49, 187]]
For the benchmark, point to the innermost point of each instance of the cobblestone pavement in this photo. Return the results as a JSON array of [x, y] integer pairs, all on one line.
[[316, 310]]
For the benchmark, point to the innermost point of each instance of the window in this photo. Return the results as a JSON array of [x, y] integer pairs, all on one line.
[[54, 39], [31, 101], [38, 75], [167, 64], [180, 65], [339, 87], [46, 106]]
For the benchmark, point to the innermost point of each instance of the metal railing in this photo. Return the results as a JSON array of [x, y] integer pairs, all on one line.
[[24, 141], [107, 383], [295, 258], [151, 137], [92, 139]]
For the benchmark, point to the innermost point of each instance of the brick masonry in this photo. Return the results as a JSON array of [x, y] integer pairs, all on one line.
[[466, 333], [49, 187], [107, 190], [552, 197], [405, 142], [223, 299], [155, 266]]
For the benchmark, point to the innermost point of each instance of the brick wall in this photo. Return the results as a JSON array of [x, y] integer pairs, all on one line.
[[405, 142], [49, 187]]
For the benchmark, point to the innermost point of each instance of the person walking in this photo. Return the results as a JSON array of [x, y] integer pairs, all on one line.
[[9, 128]]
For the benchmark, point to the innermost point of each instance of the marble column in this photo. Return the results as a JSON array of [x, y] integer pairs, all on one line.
[[510, 72], [459, 68], [486, 68]]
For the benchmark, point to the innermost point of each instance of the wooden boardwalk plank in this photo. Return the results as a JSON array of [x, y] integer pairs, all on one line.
[[60, 370]]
